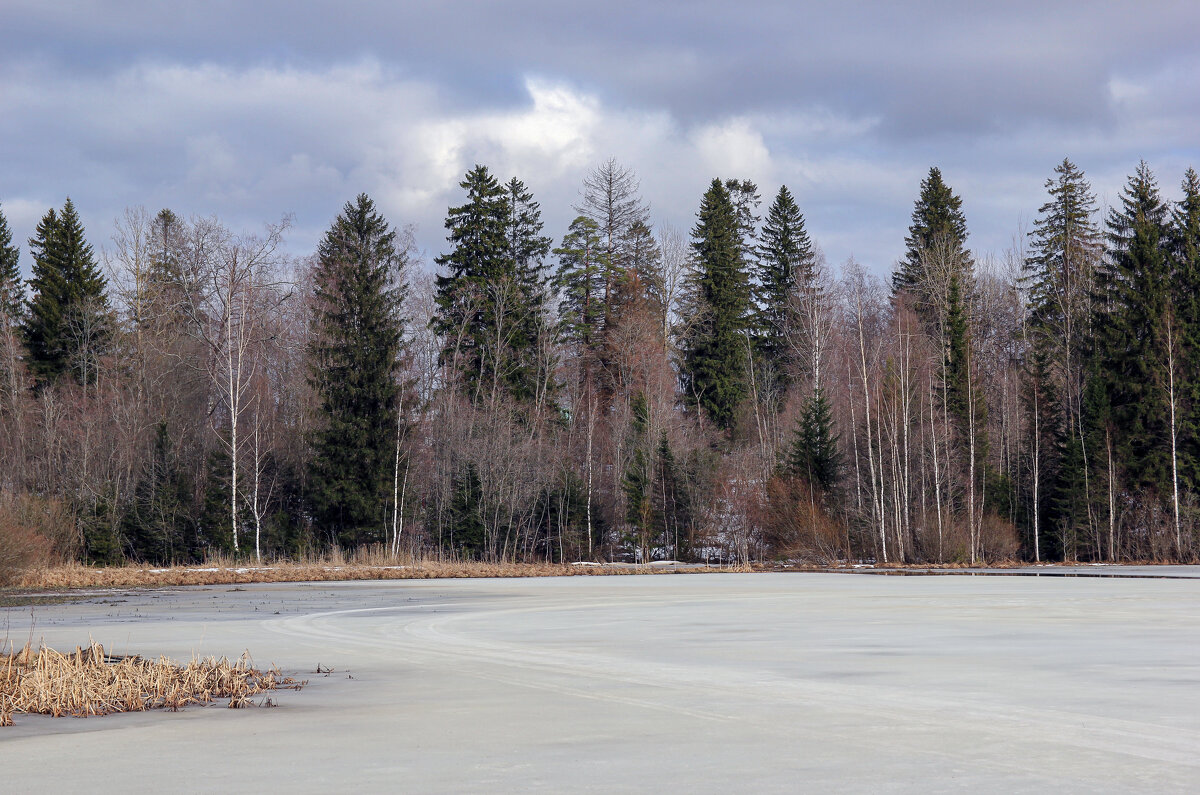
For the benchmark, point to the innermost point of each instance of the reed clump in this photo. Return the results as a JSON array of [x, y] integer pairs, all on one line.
[[91, 682]]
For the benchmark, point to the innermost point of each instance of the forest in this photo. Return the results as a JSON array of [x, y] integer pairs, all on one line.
[[617, 390]]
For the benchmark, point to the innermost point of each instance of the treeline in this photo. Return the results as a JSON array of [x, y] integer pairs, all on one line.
[[621, 391]]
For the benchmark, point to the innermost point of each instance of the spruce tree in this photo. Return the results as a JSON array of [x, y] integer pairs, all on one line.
[[935, 252], [580, 280], [1185, 263], [527, 248], [814, 454], [465, 531], [637, 483], [484, 307], [12, 301], [354, 358], [1131, 331], [65, 326], [744, 195], [786, 265], [670, 502], [714, 366], [1059, 278]]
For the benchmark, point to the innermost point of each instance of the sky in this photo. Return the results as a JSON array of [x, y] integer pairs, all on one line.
[[253, 111]]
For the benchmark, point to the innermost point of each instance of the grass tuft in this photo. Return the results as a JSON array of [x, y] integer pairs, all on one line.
[[90, 682]]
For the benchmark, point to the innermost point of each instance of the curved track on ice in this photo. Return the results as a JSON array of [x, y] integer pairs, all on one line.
[[711, 682]]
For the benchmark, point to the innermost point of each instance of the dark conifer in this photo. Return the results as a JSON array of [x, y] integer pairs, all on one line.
[[814, 455], [12, 302], [785, 268], [714, 367], [357, 336], [938, 224], [66, 324]]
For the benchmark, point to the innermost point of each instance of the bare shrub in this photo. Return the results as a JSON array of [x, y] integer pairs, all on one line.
[[797, 525], [34, 532]]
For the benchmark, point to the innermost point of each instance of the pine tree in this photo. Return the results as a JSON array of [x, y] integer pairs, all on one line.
[[1185, 263], [1059, 279], [714, 367], [580, 278], [645, 265], [12, 301], [527, 248], [638, 480], [66, 325], [938, 231], [1133, 303], [354, 357], [814, 454], [670, 503], [465, 531], [484, 300], [744, 195], [785, 268]]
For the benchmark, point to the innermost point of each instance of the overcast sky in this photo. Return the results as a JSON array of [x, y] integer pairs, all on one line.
[[248, 111]]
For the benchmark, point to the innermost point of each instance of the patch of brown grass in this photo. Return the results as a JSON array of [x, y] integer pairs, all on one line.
[[365, 565], [89, 682]]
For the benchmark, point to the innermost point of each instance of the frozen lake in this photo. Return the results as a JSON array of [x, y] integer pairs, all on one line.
[[711, 682]]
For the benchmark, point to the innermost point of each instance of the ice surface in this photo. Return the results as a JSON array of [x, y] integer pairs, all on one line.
[[701, 682]]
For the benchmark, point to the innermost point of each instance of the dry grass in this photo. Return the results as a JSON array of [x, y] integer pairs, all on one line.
[[89, 682], [364, 565]]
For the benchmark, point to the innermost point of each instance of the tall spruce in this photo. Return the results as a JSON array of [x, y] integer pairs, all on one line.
[[785, 267], [582, 264], [1059, 278], [938, 232], [1185, 263], [12, 295], [528, 247], [354, 359], [66, 324], [1131, 332], [484, 307], [714, 366], [814, 454]]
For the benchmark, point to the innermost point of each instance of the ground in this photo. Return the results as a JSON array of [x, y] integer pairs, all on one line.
[[709, 682]]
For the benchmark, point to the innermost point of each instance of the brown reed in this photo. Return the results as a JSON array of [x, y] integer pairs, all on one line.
[[90, 682]]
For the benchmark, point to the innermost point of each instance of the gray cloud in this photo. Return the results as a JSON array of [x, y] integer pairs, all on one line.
[[252, 110]]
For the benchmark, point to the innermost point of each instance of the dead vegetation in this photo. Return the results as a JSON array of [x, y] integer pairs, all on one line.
[[90, 682], [365, 564]]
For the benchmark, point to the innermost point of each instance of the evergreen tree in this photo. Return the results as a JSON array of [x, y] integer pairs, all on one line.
[[814, 454], [714, 366], [785, 267], [938, 229], [744, 195], [354, 357], [484, 307], [645, 265], [1133, 303], [465, 531], [638, 481], [11, 291], [580, 278], [670, 503], [1059, 279], [156, 526], [1185, 264], [65, 327], [527, 248]]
